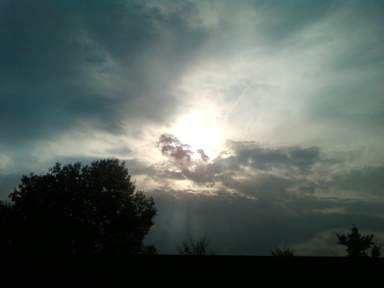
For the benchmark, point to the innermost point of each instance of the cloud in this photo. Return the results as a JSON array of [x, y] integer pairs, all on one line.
[[365, 181], [172, 147], [103, 66], [251, 154], [204, 157], [247, 169]]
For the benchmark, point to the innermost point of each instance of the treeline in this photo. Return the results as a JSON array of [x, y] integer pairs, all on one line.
[[356, 245], [95, 209]]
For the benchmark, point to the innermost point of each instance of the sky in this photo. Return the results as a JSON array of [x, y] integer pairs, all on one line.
[[254, 123]]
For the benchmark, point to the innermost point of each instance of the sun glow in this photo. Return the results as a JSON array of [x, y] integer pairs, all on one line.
[[200, 131]]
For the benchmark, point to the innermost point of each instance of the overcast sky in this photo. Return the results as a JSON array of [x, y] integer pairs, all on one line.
[[254, 123]]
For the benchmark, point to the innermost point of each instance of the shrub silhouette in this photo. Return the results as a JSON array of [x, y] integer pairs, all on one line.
[[195, 247], [285, 252]]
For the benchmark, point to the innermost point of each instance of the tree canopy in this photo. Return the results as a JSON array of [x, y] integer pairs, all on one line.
[[79, 209], [357, 244]]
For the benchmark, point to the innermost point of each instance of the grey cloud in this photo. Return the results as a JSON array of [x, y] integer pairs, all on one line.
[[120, 151], [365, 111], [251, 154], [201, 174], [173, 175], [240, 226], [366, 181], [364, 51], [348, 97], [137, 167], [287, 18], [281, 171], [261, 185], [290, 166]]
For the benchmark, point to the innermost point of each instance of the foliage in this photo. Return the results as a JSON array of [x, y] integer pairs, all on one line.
[[81, 209], [357, 244], [195, 247], [285, 252]]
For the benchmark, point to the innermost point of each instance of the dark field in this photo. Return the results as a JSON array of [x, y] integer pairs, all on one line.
[[187, 270]]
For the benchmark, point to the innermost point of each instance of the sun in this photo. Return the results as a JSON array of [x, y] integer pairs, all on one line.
[[200, 131]]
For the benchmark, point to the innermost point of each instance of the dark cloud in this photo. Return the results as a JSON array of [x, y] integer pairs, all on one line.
[[204, 156], [101, 64], [172, 147]]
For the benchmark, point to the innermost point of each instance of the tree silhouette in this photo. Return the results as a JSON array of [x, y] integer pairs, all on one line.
[[357, 244], [195, 247], [80, 209], [285, 252]]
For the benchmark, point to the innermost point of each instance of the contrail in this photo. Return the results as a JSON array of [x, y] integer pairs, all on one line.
[[242, 94]]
